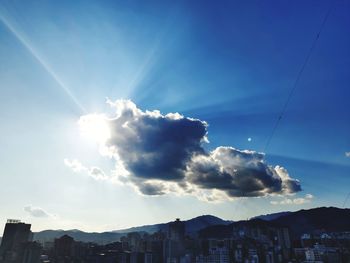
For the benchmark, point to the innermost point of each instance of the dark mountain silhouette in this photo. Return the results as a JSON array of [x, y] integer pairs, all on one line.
[[192, 226], [225, 231], [195, 224], [100, 238], [218, 231], [327, 219], [269, 217]]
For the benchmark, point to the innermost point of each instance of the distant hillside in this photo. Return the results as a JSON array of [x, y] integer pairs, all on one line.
[[328, 219], [192, 227], [273, 216], [146, 228], [100, 238], [226, 231], [198, 223]]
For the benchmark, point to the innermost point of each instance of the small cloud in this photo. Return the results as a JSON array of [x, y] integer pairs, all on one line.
[[347, 154], [75, 165], [249, 139], [151, 189], [97, 173], [36, 211], [294, 201], [94, 172]]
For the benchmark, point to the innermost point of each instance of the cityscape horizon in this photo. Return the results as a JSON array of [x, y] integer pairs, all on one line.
[[269, 238], [170, 220]]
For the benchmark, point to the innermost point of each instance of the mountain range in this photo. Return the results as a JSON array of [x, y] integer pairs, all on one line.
[[192, 226], [270, 217], [322, 219], [329, 219]]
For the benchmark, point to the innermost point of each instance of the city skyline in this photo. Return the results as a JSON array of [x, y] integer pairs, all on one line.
[[267, 239], [201, 86]]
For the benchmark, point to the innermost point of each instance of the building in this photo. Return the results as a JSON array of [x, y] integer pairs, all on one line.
[[15, 241], [176, 230], [216, 255], [64, 247], [173, 248], [31, 252]]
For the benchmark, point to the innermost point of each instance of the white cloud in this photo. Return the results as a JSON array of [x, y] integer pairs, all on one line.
[[309, 196], [94, 172], [36, 211], [347, 154], [97, 173], [239, 174], [294, 201], [75, 165], [160, 154]]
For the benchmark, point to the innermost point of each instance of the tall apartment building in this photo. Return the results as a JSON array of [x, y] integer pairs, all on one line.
[[14, 240]]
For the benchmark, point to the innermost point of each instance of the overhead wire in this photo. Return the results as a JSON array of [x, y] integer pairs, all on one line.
[[296, 82], [298, 77]]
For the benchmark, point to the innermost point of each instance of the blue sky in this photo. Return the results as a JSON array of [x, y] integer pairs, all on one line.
[[231, 64]]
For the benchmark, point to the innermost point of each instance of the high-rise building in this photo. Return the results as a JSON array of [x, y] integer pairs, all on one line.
[[16, 234], [176, 230], [216, 255], [31, 252], [174, 245], [64, 247]]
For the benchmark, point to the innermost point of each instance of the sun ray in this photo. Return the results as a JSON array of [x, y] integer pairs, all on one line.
[[41, 61]]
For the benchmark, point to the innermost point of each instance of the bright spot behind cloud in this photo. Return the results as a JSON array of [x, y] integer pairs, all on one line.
[[95, 127], [159, 154]]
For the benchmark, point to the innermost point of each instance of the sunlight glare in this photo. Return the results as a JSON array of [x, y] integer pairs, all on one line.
[[95, 127]]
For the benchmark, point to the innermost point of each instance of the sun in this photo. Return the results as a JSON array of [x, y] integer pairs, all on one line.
[[95, 127]]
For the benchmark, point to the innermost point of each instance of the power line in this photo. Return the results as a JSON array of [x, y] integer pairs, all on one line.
[[346, 199], [284, 108], [296, 83]]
